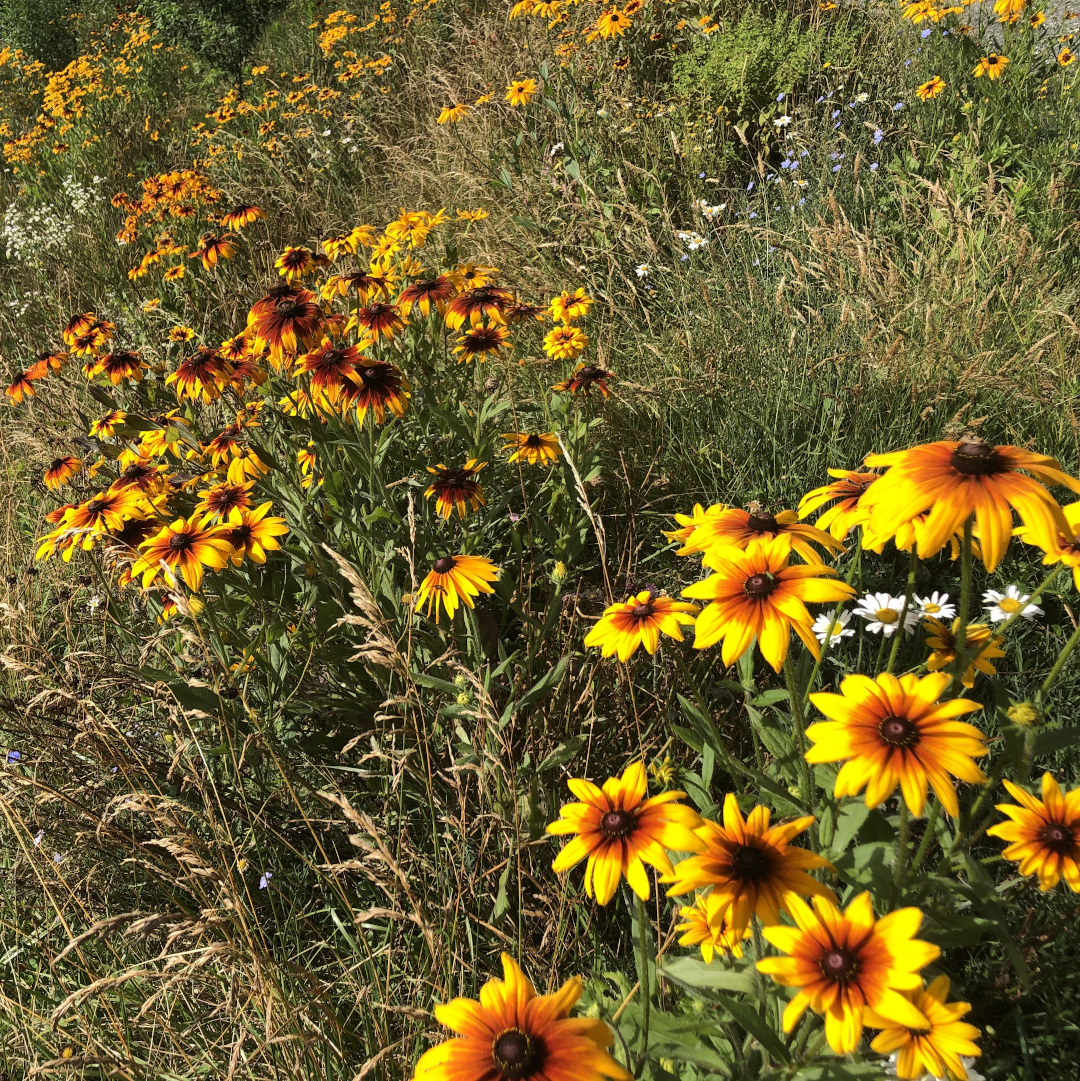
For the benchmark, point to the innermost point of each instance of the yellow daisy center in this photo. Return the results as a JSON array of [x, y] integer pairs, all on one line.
[[1009, 604], [887, 615], [932, 609]]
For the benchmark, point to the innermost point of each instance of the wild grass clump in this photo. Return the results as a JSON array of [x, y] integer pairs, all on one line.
[[423, 413]]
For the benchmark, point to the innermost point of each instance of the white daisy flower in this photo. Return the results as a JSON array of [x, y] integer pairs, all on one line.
[[882, 613], [1000, 606], [692, 240], [829, 631], [642, 270], [782, 121], [936, 605], [966, 1060]]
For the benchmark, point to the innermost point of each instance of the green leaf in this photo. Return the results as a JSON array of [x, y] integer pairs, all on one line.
[[839, 1071], [540, 689], [693, 972], [1056, 740], [757, 1026], [848, 825], [502, 903], [562, 754]]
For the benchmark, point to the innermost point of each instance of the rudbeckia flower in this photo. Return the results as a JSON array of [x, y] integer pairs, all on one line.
[[22, 386], [980, 647], [749, 868], [520, 91], [478, 342], [365, 284], [474, 275], [453, 580], [105, 427], [710, 931], [639, 621], [512, 1034], [1045, 834], [955, 480], [427, 293], [930, 89], [893, 732], [60, 471], [201, 377], [451, 114], [568, 307], [618, 830], [379, 387], [181, 334], [173, 274], [934, 1050], [687, 523], [117, 367], [1066, 57], [472, 215], [456, 488], [380, 319], [251, 533], [565, 343], [1009, 10], [218, 502], [535, 448], [757, 593], [741, 528], [286, 319], [212, 248], [294, 263], [612, 23], [845, 961], [474, 306], [991, 66], [1065, 547], [585, 377], [185, 547], [241, 216]]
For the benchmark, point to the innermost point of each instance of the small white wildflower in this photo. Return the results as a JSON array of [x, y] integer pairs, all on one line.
[[999, 606], [693, 241], [642, 270], [801, 183], [94, 603], [936, 605], [38, 838], [882, 613], [829, 631], [782, 121], [862, 99]]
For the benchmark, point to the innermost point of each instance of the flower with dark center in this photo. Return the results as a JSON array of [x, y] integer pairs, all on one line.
[[285, 320], [534, 448], [380, 319], [454, 580], [713, 933], [639, 621], [456, 489], [185, 547], [1044, 834], [740, 528], [893, 732], [585, 377], [844, 962], [512, 1034], [60, 471], [618, 830], [749, 867], [951, 481]]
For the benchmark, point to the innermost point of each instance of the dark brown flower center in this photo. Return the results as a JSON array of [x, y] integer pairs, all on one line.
[[759, 585], [95, 505], [589, 372], [749, 863], [517, 1054], [180, 542], [286, 306], [762, 523], [899, 732], [1058, 837], [443, 564], [617, 823], [975, 458], [642, 611], [534, 442], [370, 373], [57, 463], [839, 964]]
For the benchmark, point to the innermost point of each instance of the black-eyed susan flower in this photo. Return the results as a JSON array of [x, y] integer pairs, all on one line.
[[930, 89], [478, 343], [612, 23], [378, 387], [54, 361], [184, 547], [180, 334], [60, 471], [201, 377], [331, 368], [585, 377], [1065, 548], [366, 284], [118, 367], [474, 275], [454, 580], [211, 249], [569, 307], [565, 343], [252, 533], [1044, 834], [892, 732], [992, 66], [1037, 20], [1066, 57], [241, 216], [479, 214], [285, 320], [105, 427], [513, 1034], [451, 114], [380, 319], [536, 448], [740, 528], [456, 488], [845, 961], [294, 263], [173, 274], [309, 464], [521, 91], [427, 293], [756, 593], [485, 302], [1008, 11], [749, 867], [932, 1051], [219, 501], [953, 481], [639, 621], [687, 523], [22, 386], [618, 830], [247, 465], [981, 647], [522, 312], [711, 932]]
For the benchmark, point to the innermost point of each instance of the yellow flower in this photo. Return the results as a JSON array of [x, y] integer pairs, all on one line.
[[1009, 10], [618, 830], [1066, 57], [843, 516], [456, 488], [512, 1033], [639, 621], [930, 89], [892, 731], [186, 547], [181, 334], [845, 961], [454, 580], [710, 931], [536, 448], [472, 215], [565, 343], [520, 91], [613, 23], [980, 646], [568, 307], [451, 114], [935, 1049], [1045, 834], [741, 528], [991, 66]]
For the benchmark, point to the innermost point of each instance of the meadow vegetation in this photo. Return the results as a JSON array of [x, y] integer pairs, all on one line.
[[391, 390]]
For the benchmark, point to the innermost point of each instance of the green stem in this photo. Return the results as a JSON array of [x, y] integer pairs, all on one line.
[[646, 983], [962, 611], [1063, 656], [912, 564], [928, 836], [963, 830], [825, 645], [901, 850], [799, 719]]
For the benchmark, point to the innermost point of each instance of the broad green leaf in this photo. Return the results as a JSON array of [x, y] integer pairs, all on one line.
[[693, 972]]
